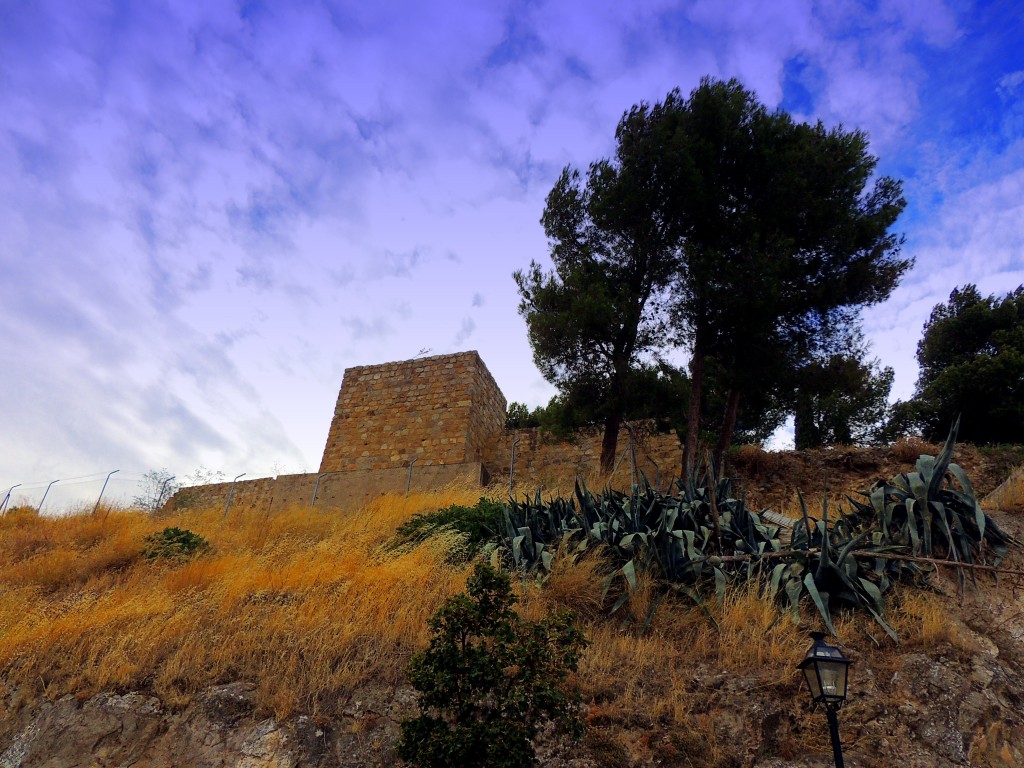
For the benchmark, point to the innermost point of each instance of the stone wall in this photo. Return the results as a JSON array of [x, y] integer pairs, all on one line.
[[434, 410], [346, 491], [444, 415], [543, 460]]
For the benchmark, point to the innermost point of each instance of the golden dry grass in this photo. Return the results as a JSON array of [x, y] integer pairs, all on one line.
[[1009, 496], [308, 606], [305, 605]]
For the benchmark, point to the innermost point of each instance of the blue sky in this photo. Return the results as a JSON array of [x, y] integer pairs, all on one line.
[[209, 209]]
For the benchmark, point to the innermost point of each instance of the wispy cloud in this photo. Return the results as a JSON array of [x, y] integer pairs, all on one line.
[[465, 331], [339, 181]]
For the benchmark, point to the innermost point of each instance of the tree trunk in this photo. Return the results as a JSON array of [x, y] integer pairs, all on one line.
[[609, 443], [732, 409], [693, 417], [805, 432]]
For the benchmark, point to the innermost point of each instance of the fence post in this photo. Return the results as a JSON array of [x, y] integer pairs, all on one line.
[[408, 479], [3, 507], [512, 465], [39, 509], [160, 496], [231, 492], [316, 486], [101, 494]]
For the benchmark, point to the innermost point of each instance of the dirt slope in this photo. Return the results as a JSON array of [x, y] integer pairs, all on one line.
[[952, 694]]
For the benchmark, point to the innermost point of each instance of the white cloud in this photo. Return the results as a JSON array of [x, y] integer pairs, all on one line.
[[208, 215]]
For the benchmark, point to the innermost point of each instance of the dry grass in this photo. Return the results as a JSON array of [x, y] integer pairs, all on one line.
[[308, 606], [303, 604], [1009, 497], [909, 449]]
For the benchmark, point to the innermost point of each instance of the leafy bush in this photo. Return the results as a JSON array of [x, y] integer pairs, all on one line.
[[174, 544], [703, 536], [479, 524], [487, 680]]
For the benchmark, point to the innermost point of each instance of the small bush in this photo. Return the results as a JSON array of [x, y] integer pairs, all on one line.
[[479, 525], [174, 544], [488, 678]]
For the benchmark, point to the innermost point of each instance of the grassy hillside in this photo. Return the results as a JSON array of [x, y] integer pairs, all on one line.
[[309, 606]]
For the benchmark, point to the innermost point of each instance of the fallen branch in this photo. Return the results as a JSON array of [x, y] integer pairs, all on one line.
[[782, 554]]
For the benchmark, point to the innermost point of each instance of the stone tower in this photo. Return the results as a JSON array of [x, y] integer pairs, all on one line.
[[438, 410]]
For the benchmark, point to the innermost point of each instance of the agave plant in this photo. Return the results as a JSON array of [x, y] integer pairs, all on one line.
[[924, 513], [703, 535]]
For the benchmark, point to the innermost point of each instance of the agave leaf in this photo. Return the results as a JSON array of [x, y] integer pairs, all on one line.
[[925, 466], [776, 580], [942, 461], [650, 612], [820, 600], [794, 590], [623, 598], [546, 559], [848, 548], [823, 558], [517, 549], [918, 486], [629, 572], [874, 593], [901, 483], [926, 517], [719, 584], [939, 513], [968, 491], [883, 623], [915, 539]]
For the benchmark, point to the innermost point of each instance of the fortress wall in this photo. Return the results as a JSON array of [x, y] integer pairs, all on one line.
[[487, 411], [351, 490], [249, 495], [447, 415], [345, 491], [541, 459], [433, 409]]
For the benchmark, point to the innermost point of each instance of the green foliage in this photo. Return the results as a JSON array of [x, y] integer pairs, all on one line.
[[487, 680], [478, 524], [783, 228], [601, 313], [687, 538], [174, 544], [519, 416], [972, 365], [841, 400]]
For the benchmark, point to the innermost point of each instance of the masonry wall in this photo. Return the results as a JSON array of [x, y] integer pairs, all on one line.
[[436, 410], [547, 462], [444, 415], [347, 491]]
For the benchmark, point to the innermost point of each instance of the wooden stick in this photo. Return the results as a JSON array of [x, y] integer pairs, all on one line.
[[713, 560]]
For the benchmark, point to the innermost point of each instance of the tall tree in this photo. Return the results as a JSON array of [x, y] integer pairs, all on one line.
[[780, 230], [599, 317], [841, 398], [972, 365]]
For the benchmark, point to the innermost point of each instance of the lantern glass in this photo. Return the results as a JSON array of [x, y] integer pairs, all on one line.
[[825, 670]]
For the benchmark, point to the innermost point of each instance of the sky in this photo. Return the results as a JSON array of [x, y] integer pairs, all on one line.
[[208, 210]]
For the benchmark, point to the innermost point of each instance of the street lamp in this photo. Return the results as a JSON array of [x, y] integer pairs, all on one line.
[[825, 670]]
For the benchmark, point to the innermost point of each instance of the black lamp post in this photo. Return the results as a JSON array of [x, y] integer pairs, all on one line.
[[825, 669]]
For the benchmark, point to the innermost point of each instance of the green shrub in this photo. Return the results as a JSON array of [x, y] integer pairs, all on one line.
[[479, 525], [174, 544], [487, 680]]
